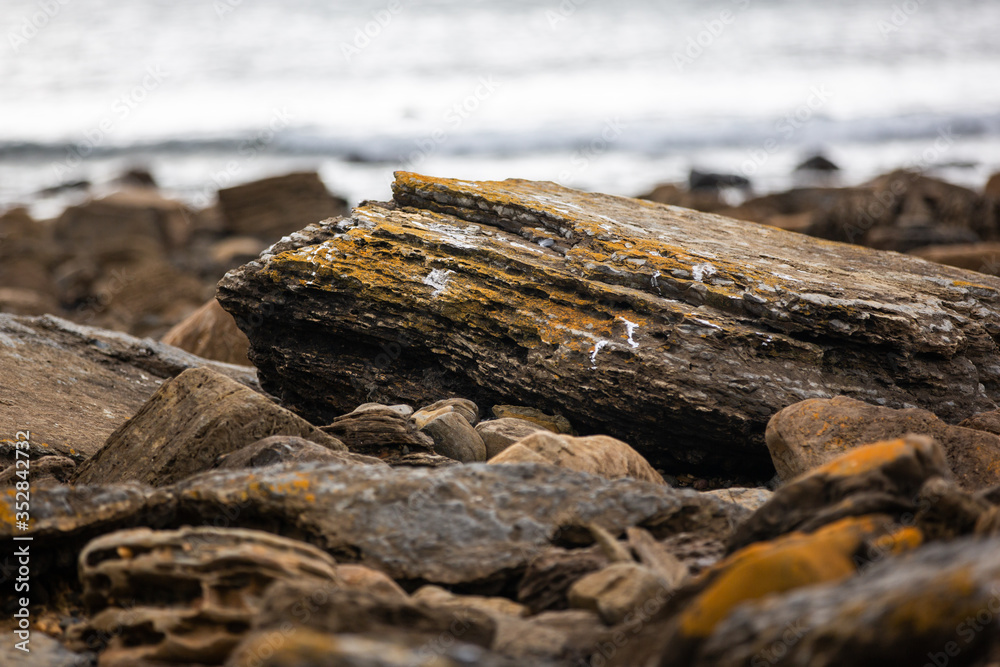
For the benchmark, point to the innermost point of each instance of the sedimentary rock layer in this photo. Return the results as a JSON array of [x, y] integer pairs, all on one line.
[[678, 332]]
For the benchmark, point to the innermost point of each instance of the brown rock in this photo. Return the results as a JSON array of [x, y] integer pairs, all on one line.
[[147, 590], [992, 187], [550, 574], [499, 434], [463, 406], [981, 257], [435, 596], [272, 207], [211, 333], [882, 478], [383, 433], [984, 421], [184, 427], [555, 423], [812, 432], [596, 454], [72, 386], [455, 438], [617, 591], [46, 469], [361, 578], [21, 301], [751, 499], [288, 449]]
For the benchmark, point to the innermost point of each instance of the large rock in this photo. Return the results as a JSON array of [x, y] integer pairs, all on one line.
[[936, 606], [499, 434], [210, 332], [186, 425], [463, 524], [680, 333], [981, 257], [272, 207], [808, 434], [596, 454], [72, 385]]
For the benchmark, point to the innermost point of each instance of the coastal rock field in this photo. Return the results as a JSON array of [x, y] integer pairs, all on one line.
[[509, 423]]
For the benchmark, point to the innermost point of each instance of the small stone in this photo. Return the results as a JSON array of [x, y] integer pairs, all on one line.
[[364, 578], [499, 434], [555, 423], [455, 438], [464, 407], [379, 431], [618, 590], [401, 409], [752, 498], [596, 454], [211, 333], [286, 449], [435, 596]]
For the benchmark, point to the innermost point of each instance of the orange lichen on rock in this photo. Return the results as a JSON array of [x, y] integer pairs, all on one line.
[[789, 562]]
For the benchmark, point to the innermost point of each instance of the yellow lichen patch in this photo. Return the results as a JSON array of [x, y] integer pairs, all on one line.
[[938, 608], [787, 563], [864, 459], [899, 541]]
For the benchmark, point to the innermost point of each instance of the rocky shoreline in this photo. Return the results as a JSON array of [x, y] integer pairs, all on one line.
[[504, 423]]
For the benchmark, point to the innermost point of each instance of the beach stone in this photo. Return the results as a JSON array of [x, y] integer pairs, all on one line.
[[186, 425], [675, 195], [554, 423], [380, 432], [596, 454], [691, 332], [71, 386], [617, 591], [984, 421], [572, 636], [550, 574], [272, 207], [881, 478], [455, 438], [921, 608], [288, 449], [751, 499], [435, 596], [211, 333], [42, 470], [808, 434], [363, 578], [458, 525], [463, 406], [147, 589], [499, 434], [402, 410]]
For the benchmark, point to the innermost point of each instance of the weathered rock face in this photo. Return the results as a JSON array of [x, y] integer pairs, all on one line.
[[210, 332], [72, 385], [808, 434], [677, 332], [276, 449], [455, 525], [186, 425], [187, 595]]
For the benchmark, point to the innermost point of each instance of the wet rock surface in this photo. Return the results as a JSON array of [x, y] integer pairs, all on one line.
[[497, 290]]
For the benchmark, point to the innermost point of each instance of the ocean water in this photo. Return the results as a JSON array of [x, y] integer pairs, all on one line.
[[593, 94]]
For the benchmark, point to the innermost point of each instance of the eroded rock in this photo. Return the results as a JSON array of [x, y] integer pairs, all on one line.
[[499, 434], [211, 333], [288, 449], [530, 292]]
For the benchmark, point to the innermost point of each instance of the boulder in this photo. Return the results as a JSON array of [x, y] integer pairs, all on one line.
[[596, 454], [272, 207], [680, 333], [882, 478], [71, 386], [808, 434], [458, 525], [984, 421], [186, 425], [455, 438], [499, 434], [930, 607], [186, 595], [288, 449], [554, 423], [211, 333], [981, 257]]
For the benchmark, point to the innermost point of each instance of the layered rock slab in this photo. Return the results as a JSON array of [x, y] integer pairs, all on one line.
[[678, 332]]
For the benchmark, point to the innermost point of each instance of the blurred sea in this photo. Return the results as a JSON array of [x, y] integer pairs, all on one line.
[[595, 94]]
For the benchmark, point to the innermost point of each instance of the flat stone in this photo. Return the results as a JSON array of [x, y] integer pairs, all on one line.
[[499, 434], [554, 423], [463, 406], [288, 449]]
